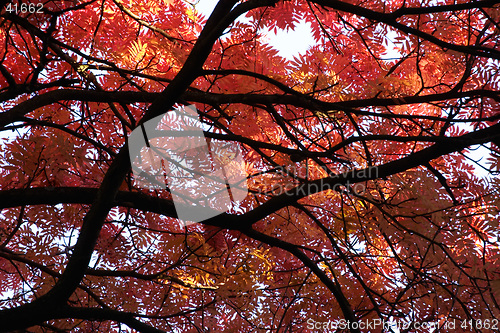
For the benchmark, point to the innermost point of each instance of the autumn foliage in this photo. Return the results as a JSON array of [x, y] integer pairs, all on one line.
[[384, 133]]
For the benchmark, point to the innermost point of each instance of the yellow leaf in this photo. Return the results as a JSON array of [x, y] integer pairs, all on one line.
[[137, 51]]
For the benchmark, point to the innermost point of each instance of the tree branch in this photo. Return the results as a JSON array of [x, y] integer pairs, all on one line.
[[17, 112], [98, 314]]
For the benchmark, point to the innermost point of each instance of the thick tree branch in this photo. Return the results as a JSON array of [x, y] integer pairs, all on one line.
[[411, 161], [299, 100]]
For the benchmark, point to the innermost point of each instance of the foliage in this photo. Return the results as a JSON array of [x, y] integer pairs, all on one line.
[[374, 131]]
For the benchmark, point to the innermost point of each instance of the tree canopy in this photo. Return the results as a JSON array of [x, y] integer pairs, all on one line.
[[371, 162]]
